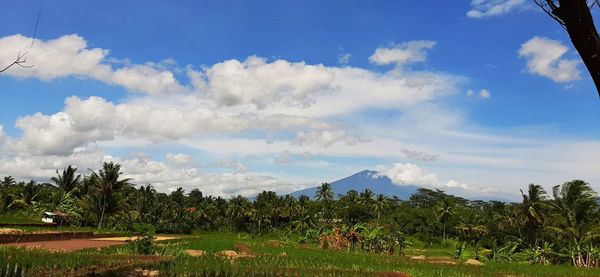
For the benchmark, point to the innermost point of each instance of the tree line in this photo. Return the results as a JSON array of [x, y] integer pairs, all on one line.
[[544, 228]]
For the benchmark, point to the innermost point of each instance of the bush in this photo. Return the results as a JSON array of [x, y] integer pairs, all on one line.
[[143, 245]]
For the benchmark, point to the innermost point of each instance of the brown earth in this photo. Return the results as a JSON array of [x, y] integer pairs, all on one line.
[[48, 235], [243, 248], [66, 245], [195, 253]]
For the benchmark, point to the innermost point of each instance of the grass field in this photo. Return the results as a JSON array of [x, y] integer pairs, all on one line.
[[270, 256]]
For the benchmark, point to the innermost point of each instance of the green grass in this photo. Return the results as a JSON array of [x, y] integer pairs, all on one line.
[[313, 261], [270, 261], [19, 218]]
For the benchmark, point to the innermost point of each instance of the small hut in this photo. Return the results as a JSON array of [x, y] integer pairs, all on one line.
[[55, 218]]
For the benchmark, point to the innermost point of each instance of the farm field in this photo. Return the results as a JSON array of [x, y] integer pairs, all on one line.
[[269, 255]]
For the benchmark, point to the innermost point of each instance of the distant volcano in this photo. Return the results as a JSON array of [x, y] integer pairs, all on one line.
[[360, 181]]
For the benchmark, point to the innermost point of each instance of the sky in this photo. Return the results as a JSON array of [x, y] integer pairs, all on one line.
[[237, 97]]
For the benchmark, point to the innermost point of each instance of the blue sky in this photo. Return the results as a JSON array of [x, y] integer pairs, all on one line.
[[240, 96]]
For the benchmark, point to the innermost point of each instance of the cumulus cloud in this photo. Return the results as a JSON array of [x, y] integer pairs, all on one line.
[[404, 53], [545, 58], [69, 55], [258, 82], [290, 101], [94, 119], [410, 174], [488, 8], [179, 159], [232, 164]]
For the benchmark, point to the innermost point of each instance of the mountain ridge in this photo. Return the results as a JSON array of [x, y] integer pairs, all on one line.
[[366, 179], [379, 183]]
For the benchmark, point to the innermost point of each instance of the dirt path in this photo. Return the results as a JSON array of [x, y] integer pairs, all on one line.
[[66, 245]]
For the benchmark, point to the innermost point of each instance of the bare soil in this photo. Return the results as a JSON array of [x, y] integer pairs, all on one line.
[[66, 245]]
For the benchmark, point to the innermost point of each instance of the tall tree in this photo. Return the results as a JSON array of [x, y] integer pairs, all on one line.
[[445, 212], [576, 18], [108, 184], [324, 194], [67, 181], [577, 206], [534, 210], [380, 204]]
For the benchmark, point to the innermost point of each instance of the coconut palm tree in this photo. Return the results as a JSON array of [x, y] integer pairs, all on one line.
[[67, 181], [24, 196], [577, 207], [324, 194], [366, 197], [108, 185], [445, 212], [8, 181], [534, 209], [236, 209], [380, 204]]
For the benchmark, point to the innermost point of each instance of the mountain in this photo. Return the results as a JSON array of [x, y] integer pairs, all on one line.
[[360, 181], [379, 183]]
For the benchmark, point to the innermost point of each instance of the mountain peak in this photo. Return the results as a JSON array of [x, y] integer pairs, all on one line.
[[366, 179]]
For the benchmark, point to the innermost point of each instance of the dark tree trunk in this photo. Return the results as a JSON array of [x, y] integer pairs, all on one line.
[[578, 21]]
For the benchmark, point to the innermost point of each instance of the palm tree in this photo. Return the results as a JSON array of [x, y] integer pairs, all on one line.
[[576, 203], [236, 209], [534, 210], [8, 181], [380, 204], [108, 185], [26, 195], [67, 181], [366, 197], [324, 194], [445, 212]]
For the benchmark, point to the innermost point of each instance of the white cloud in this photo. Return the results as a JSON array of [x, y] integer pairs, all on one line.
[[232, 164], [62, 57], [488, 8], [327, 137], [404, 53], [255, 81], [179, 159], [94, 119], [419, 155], [410, 174], [69, 55], [545, 58], [147, 79]]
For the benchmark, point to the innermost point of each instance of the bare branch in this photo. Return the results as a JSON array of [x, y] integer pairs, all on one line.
[[550, 8], [19, 61]]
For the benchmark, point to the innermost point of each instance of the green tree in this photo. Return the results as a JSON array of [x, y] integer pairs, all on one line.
[[444, 212], [67, 181], [577, 207], [324, 194], [534, 209], [107, 185], [380, 204]]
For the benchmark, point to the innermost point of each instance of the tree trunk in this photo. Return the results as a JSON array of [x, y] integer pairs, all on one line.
[[102, 215], [579, 23], [444, 231]]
